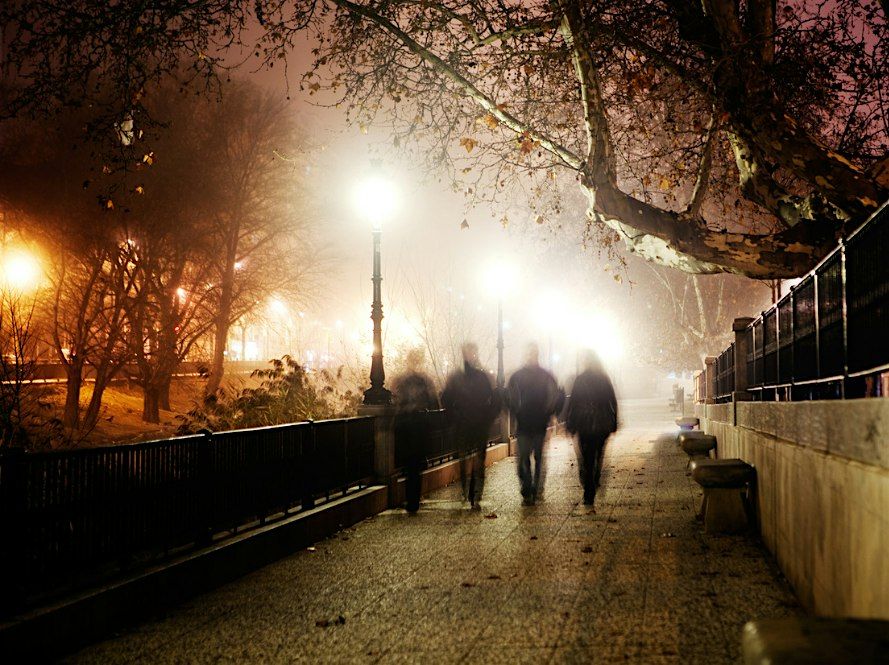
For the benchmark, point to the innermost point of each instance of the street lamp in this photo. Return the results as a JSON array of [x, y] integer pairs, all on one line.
[[21, 271], [500, 278], [553, 318], [375, 200]]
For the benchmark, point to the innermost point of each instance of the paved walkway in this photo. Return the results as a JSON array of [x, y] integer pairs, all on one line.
[[637, 581]]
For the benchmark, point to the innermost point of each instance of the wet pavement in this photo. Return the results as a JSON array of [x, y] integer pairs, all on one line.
[[635, 581]]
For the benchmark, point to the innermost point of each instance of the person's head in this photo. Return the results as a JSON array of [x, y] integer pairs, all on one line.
[[470, 354], [415, 360], [590, 362], [532, 355]]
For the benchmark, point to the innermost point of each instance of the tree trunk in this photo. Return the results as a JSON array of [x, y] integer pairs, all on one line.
[[94, 408], [104, 375], [164, 393], [74, 381], [223, 324], [151, 404]]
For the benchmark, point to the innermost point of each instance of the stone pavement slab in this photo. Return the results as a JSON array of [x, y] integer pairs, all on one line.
[[635, 581]]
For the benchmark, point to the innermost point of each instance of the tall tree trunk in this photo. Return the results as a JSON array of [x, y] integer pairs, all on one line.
[[104, 375], [223, 324], [163, 392], [74, 382], [151, 404]]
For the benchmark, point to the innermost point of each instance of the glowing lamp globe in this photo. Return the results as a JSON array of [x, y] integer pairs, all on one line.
[[376, 200], [21, 271]]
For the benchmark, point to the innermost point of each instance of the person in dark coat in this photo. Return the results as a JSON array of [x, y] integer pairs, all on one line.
[[472, 405], [533, 397], [591, 414], [414, 397]]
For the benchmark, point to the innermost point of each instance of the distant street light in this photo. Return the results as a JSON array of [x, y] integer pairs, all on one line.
[[553, 318], [21, 271], [501, 278], [376, 200]]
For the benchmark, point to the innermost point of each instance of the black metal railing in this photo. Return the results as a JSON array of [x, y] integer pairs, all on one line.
[[70, 513], [441, 444], [725, 374], [827, 337]]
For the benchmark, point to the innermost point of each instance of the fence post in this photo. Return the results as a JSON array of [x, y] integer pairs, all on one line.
[[13, 501], [308, 456], [739, 327], [384, 447], [204, 478], [709, 380]]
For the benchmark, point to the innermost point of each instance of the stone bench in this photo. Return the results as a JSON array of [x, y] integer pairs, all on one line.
[[696, 445], [688, 422], [798, 640], [685, 434], [723, 480]]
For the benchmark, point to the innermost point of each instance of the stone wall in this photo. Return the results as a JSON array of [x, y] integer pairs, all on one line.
[[822, 494]]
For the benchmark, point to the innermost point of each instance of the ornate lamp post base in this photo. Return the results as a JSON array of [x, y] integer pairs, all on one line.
[[377, 396]]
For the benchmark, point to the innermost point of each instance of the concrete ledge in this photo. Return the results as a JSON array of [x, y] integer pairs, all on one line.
[[821, 497], [857, 429], [72, 623]]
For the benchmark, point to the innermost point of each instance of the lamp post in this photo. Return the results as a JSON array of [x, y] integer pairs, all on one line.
[[500, 277], [501, 379], [376, 201]]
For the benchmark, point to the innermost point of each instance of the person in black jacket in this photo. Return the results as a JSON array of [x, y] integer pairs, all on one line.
[[592, 415], [533, 397], [472, 405], [414, 398]]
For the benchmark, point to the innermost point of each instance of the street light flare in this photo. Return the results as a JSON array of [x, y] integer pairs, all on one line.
[[21, 270], [376, 199]]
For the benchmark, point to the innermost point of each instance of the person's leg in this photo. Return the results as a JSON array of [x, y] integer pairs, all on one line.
[[600, 458], [537, 449], [588, 449], [465, 461], [524, 465], [414, 471], [578, 453], [481, 451]]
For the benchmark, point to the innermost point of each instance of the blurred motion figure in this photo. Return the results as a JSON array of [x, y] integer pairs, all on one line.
[[533, 397], [591, 414], [472, 405], [414, 398]]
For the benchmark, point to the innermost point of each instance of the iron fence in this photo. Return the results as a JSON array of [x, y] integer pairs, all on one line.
[[827, 338], [440, 444], [725, 373], [73, 512]]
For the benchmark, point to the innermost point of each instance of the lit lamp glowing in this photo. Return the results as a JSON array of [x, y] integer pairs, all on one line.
[[21, 271], [602, 335], [376, 200], [553, 317], [500, 278]]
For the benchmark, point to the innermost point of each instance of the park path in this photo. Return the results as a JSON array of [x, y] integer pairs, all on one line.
[[638, 581]]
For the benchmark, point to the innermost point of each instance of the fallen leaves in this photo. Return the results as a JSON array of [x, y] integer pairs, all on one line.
[[491, 516], [326, 623]]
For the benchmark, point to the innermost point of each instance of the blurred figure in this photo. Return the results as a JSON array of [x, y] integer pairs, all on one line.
[[592, 415], [414, 397], [533, 397], [472, 404]]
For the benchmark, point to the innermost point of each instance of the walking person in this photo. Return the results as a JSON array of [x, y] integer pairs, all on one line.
[[591, 414], [414, 398], [533, 397], [472, 405]]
